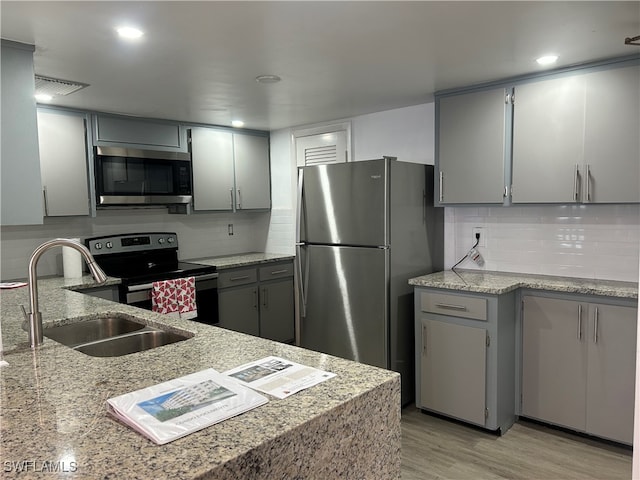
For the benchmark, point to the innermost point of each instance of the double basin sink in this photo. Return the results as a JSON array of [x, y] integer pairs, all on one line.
[[111, 335]]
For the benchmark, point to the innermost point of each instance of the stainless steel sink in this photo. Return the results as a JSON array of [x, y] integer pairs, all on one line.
[[111, 335], [85, 331], [130, 343]]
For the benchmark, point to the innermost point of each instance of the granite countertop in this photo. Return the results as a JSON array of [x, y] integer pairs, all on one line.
[[241, 260], [53, 404], [497, 283]]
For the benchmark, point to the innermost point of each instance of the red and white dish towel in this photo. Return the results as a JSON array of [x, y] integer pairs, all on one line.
[[176, 296]]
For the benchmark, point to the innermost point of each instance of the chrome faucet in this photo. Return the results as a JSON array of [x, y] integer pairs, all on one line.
[[35, 317]]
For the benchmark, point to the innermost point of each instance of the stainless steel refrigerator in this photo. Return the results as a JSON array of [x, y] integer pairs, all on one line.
[[364, 228]]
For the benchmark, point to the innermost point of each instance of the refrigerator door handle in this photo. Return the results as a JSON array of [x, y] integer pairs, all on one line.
[[299, 204], [303, 296]]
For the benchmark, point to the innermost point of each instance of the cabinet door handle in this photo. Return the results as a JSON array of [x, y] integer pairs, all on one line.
[[449, 306], [441, 186], [46, 201], [236, 279], [579, 322], [265, 302], [279, 272], [424, 340], [575, 183], [239, 199], [255, 298], [595, 326], [588, 183]]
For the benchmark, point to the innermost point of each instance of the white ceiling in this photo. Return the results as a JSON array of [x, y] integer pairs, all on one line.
[[198, 60]]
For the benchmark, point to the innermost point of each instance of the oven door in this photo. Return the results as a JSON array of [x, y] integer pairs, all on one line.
[[206, 297]]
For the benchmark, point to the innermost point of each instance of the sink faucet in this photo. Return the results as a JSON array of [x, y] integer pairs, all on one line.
[[35, 317]]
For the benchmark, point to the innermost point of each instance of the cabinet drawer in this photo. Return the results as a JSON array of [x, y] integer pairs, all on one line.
[[276, 271], [237, 277], [454, 305]]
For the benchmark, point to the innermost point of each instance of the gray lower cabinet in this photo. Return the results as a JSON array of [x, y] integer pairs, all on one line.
[[578, 365], [109, 292], [465, 356], [258, 301]]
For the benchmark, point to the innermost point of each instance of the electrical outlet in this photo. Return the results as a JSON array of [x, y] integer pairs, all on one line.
[[230, 229], [483, 236]]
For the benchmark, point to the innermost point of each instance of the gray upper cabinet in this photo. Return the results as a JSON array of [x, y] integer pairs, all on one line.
[[63, 163], [138, 133], [571, 137], [230, 170], [548, 139], [612, 123], [253, 186], [212, 162], [471, 147], [21, 201]]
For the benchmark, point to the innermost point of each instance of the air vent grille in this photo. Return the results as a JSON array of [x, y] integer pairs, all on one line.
[[56, 86], [320, 155]]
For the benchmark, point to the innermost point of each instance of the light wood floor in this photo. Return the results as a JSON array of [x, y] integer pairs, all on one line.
[[435, 448]]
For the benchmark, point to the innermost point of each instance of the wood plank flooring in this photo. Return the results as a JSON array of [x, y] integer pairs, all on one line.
[[435, 448]]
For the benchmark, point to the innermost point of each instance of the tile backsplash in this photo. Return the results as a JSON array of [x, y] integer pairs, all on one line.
[[588, 241], [199, 235]]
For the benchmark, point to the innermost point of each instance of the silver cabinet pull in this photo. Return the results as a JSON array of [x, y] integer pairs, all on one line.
[[579, 322], [449, 306], [575, 183], [231, 195], [235, 279], [239, 199], [255, 298], [595, 326], [46, 201], [424, 339], [588, 183], [279, 272], [441, 186]]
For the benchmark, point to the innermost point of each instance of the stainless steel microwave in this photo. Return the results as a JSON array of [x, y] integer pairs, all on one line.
[[126, 176]]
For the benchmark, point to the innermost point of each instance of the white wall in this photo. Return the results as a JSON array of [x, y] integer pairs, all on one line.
[[591, 241], [405, 133], [199, 235]]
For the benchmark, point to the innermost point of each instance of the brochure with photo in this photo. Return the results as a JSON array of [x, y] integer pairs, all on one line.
[[278, 377], [173, 409]]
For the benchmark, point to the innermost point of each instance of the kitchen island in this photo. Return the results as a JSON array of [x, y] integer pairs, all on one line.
[[54, 417]]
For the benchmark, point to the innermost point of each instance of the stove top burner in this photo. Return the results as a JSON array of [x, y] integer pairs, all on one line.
[[143, 257]]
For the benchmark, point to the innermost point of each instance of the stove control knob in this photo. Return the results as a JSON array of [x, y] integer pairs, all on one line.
[[109, 245], [98, 246], [161, 241], [171, 239]]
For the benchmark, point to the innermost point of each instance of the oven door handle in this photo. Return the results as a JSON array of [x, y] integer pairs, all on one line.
[[147, 286]]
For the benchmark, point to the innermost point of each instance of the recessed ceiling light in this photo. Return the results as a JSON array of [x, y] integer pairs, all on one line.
[[268, 79], [237, 123], [547, 59], [43, 97], [130, 33]]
